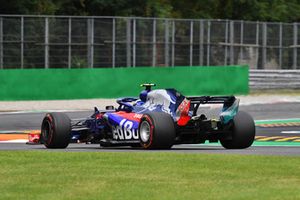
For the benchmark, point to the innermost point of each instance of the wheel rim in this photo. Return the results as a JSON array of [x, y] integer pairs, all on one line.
[[46, 130], [145, 131]]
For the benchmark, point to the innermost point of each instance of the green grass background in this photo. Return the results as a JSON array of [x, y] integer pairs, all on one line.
[[146, 175]]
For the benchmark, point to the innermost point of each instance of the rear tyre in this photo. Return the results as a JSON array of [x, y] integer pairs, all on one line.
[[243, 132], [156, 131], [56, 130]]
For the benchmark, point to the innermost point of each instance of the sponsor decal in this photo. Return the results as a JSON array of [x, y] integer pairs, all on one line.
[[182, 112], [125, 131], [137, 116], [183, 108]]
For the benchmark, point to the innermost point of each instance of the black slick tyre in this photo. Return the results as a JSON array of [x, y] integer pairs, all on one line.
[[56, 130], [156, 131], [243, 132]]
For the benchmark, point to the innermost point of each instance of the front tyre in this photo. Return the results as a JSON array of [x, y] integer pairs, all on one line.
[[56, 130], [243, 132], [156, 131]]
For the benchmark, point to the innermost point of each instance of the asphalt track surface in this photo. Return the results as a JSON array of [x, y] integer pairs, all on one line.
[[206, 149], [30, 121]]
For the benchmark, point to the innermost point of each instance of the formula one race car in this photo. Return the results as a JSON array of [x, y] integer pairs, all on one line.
[[158, 119]]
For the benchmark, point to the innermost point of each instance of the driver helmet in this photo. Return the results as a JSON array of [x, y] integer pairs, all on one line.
[[143, 95]]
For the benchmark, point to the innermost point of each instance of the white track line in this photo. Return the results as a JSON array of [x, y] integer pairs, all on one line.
[[290, 132]]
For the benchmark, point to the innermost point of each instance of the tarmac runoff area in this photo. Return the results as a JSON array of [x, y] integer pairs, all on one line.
[[88, 104], [275, 137]]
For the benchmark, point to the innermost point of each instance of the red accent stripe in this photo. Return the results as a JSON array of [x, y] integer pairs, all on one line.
[[129, 116]]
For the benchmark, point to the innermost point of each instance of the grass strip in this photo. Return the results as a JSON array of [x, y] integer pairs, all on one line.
[[146, 175]]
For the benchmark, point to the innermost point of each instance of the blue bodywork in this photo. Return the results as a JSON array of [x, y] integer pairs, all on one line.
[[122, 123]]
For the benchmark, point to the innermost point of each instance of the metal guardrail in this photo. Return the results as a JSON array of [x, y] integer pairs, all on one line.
[[274, 79]]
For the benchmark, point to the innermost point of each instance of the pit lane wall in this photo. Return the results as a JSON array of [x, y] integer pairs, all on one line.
[[51, 84]]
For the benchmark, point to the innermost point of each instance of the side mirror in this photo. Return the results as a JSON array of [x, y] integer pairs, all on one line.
[[96, 111]]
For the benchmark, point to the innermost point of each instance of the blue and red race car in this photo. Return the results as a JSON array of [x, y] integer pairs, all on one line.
[[158, 119]]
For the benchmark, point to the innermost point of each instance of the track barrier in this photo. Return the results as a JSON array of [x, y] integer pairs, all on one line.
[[51, 84]]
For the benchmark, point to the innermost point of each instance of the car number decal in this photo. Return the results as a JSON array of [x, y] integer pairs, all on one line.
[[125, 131]]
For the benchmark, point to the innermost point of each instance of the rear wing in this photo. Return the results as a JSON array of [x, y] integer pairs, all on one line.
[[229, 110], [212, 99]]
